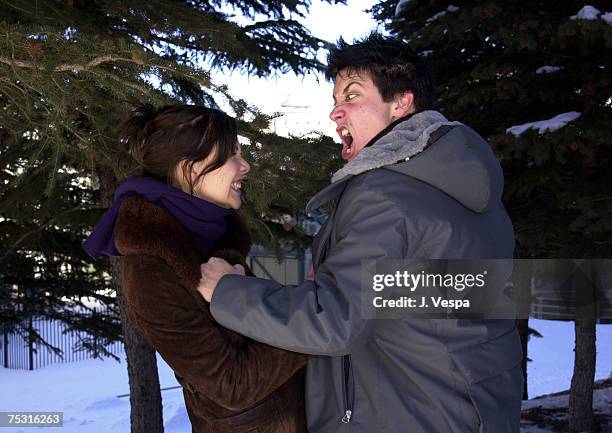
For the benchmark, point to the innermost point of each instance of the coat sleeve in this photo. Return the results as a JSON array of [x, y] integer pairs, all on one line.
[[230, 370], [321, 317]]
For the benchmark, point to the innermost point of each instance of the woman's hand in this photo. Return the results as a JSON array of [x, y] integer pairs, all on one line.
[[212, 271]]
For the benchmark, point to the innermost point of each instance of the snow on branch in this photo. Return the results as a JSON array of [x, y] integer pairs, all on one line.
[[588, 12], [450, 8], [548, 125], [400, 5], [591, 13], [548, 69]]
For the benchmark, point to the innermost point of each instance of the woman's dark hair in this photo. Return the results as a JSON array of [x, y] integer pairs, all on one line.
[[393, 66], [161, 138]]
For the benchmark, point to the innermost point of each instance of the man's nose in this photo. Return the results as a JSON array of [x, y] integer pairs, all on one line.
[[337, 113]]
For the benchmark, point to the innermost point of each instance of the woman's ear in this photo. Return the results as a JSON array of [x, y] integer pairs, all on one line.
[[180, 175], [403, 105]]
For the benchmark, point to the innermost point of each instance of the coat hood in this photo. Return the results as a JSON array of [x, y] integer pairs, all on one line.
[[447, 155]]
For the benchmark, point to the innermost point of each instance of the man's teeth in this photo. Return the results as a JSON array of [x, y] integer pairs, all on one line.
[[346, 133], [236, 186]]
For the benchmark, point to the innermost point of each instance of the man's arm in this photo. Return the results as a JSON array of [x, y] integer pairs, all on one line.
[[322, 316], [196, 348]]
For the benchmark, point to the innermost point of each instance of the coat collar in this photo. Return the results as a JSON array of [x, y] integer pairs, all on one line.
[[400, 141], [329, 193], [146, 229], [376, 154]]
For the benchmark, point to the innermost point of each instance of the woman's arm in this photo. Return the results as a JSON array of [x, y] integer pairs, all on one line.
[[176, 321]]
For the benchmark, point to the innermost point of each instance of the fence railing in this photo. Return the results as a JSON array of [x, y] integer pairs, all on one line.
[[19, 352], [291, 270]]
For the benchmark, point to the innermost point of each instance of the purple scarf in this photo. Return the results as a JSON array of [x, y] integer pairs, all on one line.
[[205, 220]]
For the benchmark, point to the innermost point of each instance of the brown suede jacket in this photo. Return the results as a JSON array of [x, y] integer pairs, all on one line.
[[230, 383]]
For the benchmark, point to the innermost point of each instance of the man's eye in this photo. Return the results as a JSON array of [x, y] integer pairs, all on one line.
[[350, 96]]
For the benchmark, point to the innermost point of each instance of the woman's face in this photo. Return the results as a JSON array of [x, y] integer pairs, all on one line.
[[221, 186]]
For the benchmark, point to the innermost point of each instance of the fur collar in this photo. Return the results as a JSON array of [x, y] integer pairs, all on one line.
[[405, 140], [145, 229]]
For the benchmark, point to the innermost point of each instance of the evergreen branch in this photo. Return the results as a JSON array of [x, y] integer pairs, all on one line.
[[31, 232], [95, 62], [134, 86], [16, 104], [67, 67], [19, 63]]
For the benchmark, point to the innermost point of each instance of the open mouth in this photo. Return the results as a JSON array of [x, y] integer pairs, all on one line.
[[347, 142], [236, 185]]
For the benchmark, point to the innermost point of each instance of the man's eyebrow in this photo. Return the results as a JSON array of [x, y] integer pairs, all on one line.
[[346, 88]]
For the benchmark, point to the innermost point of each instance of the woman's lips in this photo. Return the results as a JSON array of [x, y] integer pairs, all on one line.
[[236, 186]]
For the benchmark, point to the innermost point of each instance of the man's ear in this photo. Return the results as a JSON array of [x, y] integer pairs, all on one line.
[[403, 105]]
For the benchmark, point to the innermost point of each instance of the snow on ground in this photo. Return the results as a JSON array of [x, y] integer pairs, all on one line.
[[602, 398], [554, 410], [87, 391], [552, 356], [548, 125]]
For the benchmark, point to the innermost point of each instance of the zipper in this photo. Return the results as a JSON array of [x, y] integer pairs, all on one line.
[[349, 389]]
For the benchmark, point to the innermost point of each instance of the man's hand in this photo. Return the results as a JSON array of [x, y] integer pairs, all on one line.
[[310, 274], [212, 271]]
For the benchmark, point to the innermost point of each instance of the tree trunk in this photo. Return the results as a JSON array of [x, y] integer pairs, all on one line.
[[522, 326], [523, 273], [581, 392], [145, 395]]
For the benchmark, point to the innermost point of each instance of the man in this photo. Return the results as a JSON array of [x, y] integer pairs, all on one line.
[[415, 186]]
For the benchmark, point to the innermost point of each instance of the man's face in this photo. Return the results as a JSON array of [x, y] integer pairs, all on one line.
[[359, 111]]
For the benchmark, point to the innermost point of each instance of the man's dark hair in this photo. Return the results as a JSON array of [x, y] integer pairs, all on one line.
[[393, 66]]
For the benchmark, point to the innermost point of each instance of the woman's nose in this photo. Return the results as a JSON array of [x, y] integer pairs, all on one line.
[[244, 167]]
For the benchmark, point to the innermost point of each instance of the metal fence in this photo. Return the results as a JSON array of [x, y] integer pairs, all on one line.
[[18, 352], [549, 305], [291, 270]]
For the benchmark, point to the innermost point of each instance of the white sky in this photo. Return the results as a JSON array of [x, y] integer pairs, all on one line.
[[325, 21]]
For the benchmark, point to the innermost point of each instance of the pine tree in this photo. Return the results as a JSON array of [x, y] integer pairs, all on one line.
[[499, 65], [70, 71]]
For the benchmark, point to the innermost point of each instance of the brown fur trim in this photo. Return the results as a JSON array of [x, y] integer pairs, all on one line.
[[236, 237], [146, 229]]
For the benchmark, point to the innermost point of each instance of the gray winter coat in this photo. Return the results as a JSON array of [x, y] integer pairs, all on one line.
[[409, 375]]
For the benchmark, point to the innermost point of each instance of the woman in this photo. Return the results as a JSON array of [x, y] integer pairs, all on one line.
[[165, 223]]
